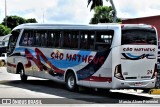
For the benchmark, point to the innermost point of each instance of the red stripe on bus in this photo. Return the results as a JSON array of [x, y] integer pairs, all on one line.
[[99, 79], [38, 62], [11, 65]]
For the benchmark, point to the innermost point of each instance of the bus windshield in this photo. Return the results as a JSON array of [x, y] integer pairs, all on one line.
[[12, 41], [139, 36]]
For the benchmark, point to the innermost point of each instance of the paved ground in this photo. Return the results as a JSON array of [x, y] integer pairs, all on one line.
[[12, 87]]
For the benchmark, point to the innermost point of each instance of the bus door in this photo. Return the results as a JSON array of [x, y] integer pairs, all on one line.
[[11, 47]]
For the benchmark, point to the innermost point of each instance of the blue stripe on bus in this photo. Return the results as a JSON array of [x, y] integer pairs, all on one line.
[[133, 56], [59, 63]]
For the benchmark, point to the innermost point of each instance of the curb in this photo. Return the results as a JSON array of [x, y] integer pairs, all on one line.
[[154, 91]]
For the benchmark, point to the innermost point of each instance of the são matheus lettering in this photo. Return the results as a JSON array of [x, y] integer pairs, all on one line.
[[77, 57], [139, 49]]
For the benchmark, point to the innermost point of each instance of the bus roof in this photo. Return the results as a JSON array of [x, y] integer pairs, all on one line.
[[76, 26]]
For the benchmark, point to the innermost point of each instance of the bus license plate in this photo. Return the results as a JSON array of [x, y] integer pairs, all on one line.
[[138, 84]]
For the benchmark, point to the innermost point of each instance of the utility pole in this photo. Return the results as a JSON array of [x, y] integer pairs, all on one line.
[[5, 12], [43, 15]]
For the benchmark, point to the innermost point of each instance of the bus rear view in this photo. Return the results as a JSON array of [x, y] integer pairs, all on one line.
[[138, 61]]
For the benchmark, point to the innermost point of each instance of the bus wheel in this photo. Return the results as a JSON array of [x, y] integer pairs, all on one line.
[[146, 90], [22, 75], [2, 63], [71, 82], [103, 90]]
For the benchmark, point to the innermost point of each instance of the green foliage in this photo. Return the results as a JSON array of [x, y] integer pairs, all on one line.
[[32, 20], [103, 14], [4, 30], [13, 21]]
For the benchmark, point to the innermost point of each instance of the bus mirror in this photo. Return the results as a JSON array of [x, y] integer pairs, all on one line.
[[3, 43]]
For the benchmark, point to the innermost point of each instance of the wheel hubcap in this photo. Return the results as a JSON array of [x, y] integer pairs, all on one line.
[[22, 73], [71, 82]]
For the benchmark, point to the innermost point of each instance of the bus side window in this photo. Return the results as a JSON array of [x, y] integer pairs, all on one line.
[[31, 39], [103, 40], [26, 38], [66, 40], [40, 38], [43, 39], [51, 39], [57, 39], [87, 40], [70, 39], [91, 42], [74, 40], [37, 38], [83, 41]]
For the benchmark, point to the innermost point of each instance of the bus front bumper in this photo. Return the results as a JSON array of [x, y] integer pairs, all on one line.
[[119, 84]]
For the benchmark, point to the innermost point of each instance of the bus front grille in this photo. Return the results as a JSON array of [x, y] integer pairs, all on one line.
[[145, 77]]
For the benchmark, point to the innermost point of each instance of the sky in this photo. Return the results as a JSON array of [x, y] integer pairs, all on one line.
[[137, 8], [74, 11]]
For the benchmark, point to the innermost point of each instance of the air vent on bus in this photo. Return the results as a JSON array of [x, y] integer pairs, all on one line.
[[131, 77], [145, 77]]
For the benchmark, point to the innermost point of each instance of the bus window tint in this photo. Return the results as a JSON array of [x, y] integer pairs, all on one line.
[[58, 37], [104, 39], [27, 38], [74, 39], [87, 40], [139, 36], [24, 38], [40, 38], [12, 41], [70, 39], [51, 39], [67, 39]]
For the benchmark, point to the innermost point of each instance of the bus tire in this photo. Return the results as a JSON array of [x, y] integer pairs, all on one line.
[[2, 63], [71, 82], [22, 74], [146, 90], [101, 90]]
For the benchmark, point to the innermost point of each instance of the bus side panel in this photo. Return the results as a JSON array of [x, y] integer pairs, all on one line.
[[115, 61], [11, 66], [104, 74]]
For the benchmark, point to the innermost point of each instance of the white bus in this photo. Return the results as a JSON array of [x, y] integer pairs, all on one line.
[[107, 56]]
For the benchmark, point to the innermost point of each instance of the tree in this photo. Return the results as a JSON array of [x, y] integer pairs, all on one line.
[[95, 3], [13, 21], [32, 20], [4, 30], [103, 14]]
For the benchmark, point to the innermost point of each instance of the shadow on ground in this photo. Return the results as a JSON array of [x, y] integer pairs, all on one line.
[[87, 94]]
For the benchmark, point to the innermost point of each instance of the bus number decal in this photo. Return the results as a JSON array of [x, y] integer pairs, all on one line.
[[149, 72]]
